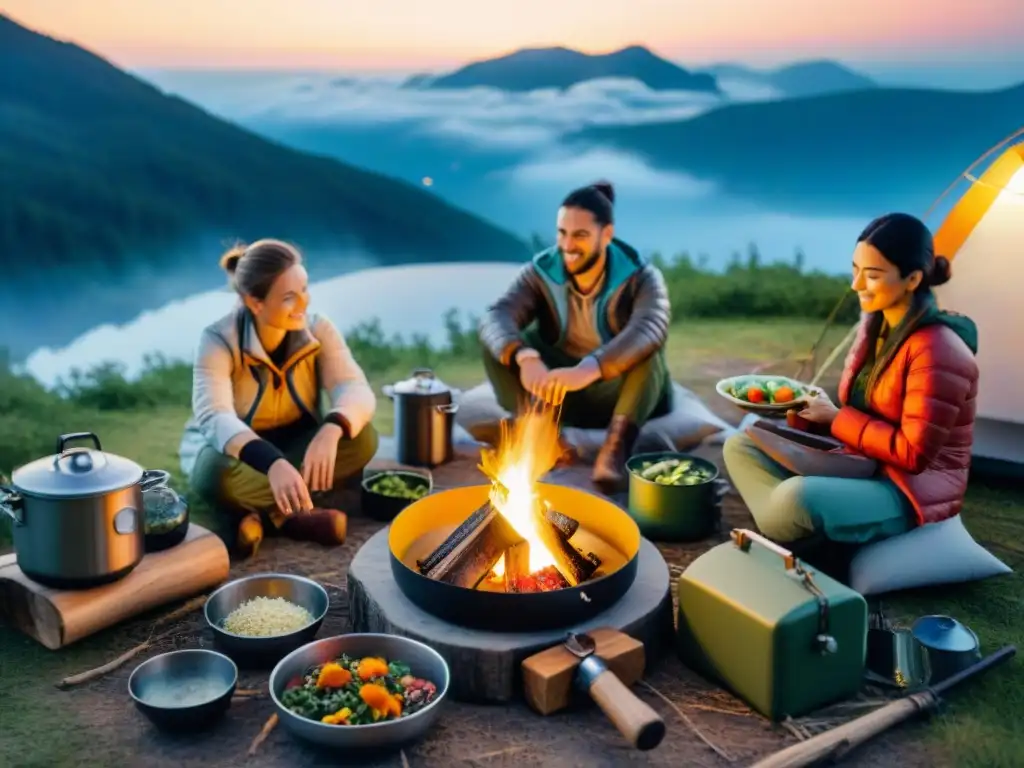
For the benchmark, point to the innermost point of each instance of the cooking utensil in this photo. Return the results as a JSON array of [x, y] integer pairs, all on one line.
[[77, 515], [951, 647], [383, 507], [424, 661], [265, 651], [783, 636], [673, 512], [605, 529], [641, 725], [838, 742], [809, 455], [184, 690], [896, 658], [166, 512], [424, 419]]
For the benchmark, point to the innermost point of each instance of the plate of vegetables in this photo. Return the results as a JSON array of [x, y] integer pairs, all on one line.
[[360, 691], [762, 393], [388, 492]]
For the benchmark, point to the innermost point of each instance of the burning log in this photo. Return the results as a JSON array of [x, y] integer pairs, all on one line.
[[517, 566], [569, 561], [471, 559], [566, 526]]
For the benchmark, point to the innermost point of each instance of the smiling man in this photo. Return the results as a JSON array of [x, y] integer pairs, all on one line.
[[585, 324]]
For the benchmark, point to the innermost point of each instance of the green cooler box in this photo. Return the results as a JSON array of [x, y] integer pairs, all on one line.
[[781, 635]]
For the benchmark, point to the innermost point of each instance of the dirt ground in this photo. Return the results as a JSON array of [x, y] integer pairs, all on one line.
[[706, 727]]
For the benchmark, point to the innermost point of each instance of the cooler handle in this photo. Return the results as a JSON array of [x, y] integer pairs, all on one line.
[[744, 537], [824, 642]]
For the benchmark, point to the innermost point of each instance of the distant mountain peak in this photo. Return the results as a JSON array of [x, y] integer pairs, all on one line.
[[800, 78], [530, 69]]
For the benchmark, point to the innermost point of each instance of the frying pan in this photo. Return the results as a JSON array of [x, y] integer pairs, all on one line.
[[514, 612]]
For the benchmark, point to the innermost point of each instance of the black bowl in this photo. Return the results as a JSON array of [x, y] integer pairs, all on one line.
[[384, 508], [184, 690]]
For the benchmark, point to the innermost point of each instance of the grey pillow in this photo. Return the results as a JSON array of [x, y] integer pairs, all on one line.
[[937, 553], [685, 427]]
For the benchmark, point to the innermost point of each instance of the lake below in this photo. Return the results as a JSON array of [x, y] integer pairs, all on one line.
[[407, 300]]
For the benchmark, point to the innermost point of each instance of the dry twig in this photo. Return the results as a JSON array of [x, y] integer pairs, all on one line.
[[496, 753], [790, 726], [169, 618], [405, 760], [689, 723], [263, 734]]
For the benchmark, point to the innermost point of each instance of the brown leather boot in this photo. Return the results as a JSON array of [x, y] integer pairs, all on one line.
[[250, 535], [610, 466], [320, 526]]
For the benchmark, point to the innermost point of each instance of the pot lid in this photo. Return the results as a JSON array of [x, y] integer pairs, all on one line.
[[76, 472], [944, 633], [422, 382]]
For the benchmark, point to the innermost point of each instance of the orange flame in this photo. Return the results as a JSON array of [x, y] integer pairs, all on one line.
[[527, 451]]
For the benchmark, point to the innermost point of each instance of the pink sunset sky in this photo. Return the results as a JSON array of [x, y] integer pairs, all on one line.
[[422, 34]]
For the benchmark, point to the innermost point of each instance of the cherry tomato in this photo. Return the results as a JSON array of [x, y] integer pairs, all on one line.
[[756, 395], [784, 394]]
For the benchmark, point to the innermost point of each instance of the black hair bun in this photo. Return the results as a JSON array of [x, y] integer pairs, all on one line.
[[942, 270], [606, 189]]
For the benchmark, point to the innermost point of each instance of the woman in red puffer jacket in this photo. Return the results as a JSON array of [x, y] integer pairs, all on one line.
[[907, 399]]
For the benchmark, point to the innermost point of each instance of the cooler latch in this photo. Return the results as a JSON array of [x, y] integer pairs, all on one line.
[[823, 641]]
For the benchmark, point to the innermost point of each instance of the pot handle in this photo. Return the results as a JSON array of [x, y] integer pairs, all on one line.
[[11, 505], [63, 440], [447, 408], [154, 478]]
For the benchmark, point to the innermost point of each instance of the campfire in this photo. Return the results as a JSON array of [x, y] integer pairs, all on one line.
[[515, 542]]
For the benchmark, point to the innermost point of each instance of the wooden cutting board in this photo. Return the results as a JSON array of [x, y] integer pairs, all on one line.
[[57, 618]]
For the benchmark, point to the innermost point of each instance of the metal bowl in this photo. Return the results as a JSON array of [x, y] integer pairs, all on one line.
[[673, 512], [184, 690], [265, 651], [423, 660], [384, 508]]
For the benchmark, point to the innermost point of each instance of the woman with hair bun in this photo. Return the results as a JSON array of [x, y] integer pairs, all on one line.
[[907, 399], [258, 443]]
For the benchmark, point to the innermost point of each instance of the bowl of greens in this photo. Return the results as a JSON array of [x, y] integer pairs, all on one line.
[[361, 691], [765, 394], [388, 492], [673, 496]]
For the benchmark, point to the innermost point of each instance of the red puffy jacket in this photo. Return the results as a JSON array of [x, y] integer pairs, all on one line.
[[923, 403]]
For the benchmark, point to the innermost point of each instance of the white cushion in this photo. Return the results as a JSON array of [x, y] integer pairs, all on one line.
[[686, 426], [937, 553]]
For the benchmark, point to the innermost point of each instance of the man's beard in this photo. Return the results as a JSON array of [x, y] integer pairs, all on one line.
[[580, 266]]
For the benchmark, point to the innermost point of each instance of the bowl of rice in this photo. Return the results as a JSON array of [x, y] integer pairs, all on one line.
[[257, 620]]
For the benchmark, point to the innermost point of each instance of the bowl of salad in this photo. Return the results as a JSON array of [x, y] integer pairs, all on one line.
[[765, 394], [360, 691], [387, 492], [673, 496]]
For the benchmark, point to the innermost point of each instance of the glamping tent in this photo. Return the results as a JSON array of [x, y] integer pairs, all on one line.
[[983, 236]]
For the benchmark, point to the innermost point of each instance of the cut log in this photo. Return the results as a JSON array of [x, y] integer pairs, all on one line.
[[473, 558], [517, 565], [566, 525], [570, 562], [455, 538]]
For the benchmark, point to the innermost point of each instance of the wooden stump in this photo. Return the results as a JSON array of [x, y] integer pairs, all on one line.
[[485, 666], [57, 618]]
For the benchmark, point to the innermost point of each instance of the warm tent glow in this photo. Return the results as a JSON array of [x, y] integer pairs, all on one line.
[[983, 236]]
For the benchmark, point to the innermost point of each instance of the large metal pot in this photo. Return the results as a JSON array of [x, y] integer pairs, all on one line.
[[78, 516], [424, 419]]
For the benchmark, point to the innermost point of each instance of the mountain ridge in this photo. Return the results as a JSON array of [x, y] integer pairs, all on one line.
[[530, 69], [98, 165], [799, 78]]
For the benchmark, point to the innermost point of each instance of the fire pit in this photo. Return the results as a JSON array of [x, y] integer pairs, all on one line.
[[516, 554], [453, 567], [488, 574]]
